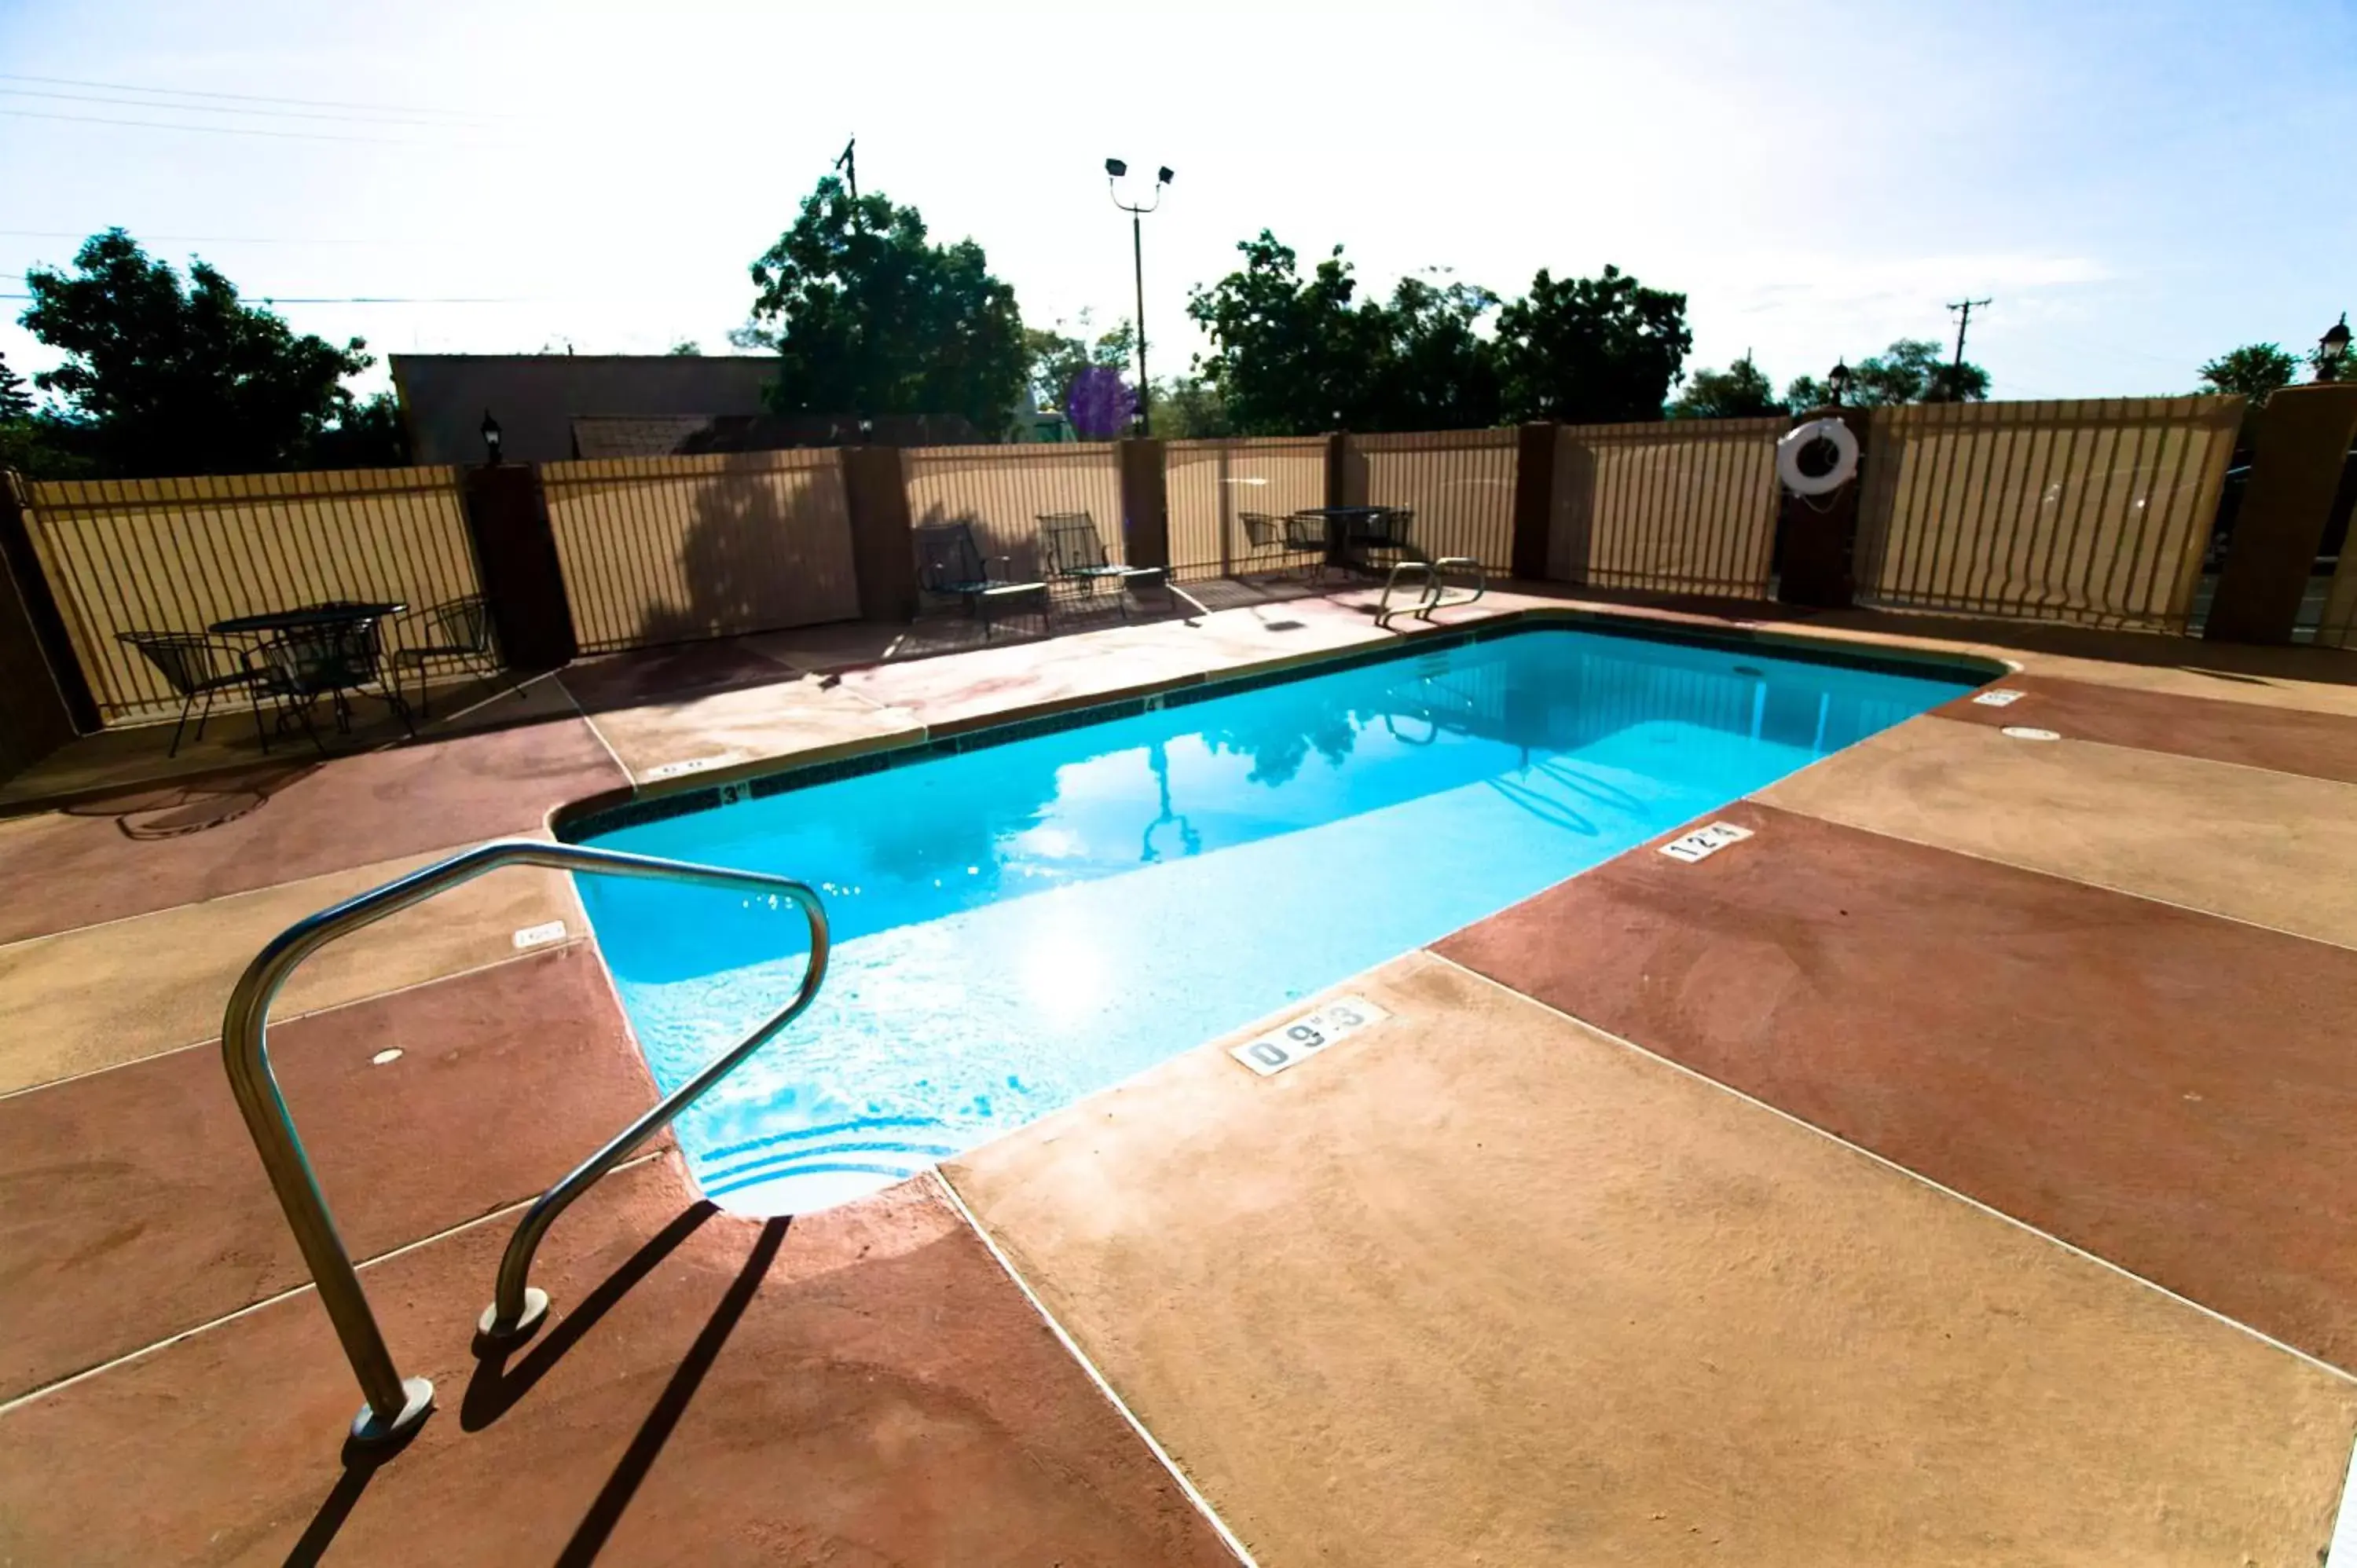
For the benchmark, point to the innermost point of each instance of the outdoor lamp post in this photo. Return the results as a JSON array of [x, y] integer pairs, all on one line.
[[1115, 170], [1838, 378], [490, 438], [2332, 349]]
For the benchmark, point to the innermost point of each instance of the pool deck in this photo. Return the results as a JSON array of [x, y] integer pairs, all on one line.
[[1954, 1170]]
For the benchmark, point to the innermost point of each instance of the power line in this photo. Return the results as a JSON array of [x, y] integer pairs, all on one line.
[[241, 97], [377, 299], [192, 238], [233, 130], [227, 109]]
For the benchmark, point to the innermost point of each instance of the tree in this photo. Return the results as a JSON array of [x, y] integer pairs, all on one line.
[[1055, 357], [15, 402], [162, 378], [1739, 391], [1591, 350], [869, 317], [687, 347], [370, 435], [1293, 355], [1911, 370], [1190, 408], [33, 442], [2255, 371]]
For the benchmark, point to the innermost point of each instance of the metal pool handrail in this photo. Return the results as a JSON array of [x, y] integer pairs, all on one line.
[[394, 1406]]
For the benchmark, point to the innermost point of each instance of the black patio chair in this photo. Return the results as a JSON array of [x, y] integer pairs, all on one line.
[[456, 632], [949, 565], [1382, 536], [1075, 553], [195, 666], [328, 660], [1265, 532]]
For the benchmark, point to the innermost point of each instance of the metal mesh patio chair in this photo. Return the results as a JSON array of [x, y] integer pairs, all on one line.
[[1265, 532], [196, 666], [949, 565], [1075, 553], [330, 660], [456, 632]]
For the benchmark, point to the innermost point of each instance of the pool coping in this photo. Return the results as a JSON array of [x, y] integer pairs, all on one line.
[[740, 780]]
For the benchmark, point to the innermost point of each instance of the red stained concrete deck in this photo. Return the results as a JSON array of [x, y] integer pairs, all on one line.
[[133, 1207], [859, 1387], [2171, 1091], [2285, 740], [298, 819]]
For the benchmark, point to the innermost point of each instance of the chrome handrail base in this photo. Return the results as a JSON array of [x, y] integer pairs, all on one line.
[[371, 1430], [491, 1333]]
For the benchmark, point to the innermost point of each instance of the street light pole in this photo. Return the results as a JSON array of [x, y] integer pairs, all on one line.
[[1114, 170]]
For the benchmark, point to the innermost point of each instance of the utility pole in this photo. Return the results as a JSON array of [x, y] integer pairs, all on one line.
[[849, 165], [1956, 372]]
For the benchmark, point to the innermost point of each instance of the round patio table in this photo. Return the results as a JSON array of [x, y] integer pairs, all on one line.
[[303, 620], [331, 678]]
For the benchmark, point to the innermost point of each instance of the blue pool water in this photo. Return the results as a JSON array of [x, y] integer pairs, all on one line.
[[1019, 925]]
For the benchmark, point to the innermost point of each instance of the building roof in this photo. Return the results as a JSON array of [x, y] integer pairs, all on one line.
[[536, 397]]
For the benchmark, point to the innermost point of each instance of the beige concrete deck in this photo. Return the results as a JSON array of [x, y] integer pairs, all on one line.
[[1481, 1284], [2275, 849]]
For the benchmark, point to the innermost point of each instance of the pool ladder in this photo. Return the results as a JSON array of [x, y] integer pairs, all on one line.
[[396, 1405], [1432, 592]]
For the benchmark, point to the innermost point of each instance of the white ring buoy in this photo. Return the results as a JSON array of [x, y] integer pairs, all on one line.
[[1799, 439]]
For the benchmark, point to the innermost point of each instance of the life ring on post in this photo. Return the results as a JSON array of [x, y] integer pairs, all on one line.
[[1799, 439]]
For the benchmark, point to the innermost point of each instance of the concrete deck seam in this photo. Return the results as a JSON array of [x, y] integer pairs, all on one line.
[[1072, 1347], [307, 1286], [276, 1017], [2155, 751], [2343, 1374], [1757, 799], [628, 778]]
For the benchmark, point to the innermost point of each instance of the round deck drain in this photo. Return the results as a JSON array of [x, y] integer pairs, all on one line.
[[2025, 732]]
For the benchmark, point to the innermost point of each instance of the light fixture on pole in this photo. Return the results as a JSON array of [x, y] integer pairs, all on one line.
[[2332, 349], [490, 430], [1838, 380], [1115, 170]]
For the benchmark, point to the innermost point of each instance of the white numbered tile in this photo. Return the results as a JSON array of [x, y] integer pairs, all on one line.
[[1703, 843], [1298, 1040]]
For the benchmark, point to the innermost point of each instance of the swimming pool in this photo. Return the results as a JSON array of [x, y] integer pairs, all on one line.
[[1022, 918]]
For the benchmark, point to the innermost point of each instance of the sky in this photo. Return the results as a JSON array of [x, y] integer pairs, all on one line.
[[2135, 187]]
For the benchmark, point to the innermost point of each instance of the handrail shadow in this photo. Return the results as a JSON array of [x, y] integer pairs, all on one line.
[[646, 1446], [495, 1388]]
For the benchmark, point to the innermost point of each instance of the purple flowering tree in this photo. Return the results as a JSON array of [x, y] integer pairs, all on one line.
[[1099, 404]]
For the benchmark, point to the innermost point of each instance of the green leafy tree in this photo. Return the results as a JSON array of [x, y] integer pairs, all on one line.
[[165, 377], [370, 435], [35, 442], [1739, 391], [1912, 370], [868, 316], [2255, 371], [1591, 350], [1056, 357], [687, 347], [1190, 408], [15, 402], [1294, 354]]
